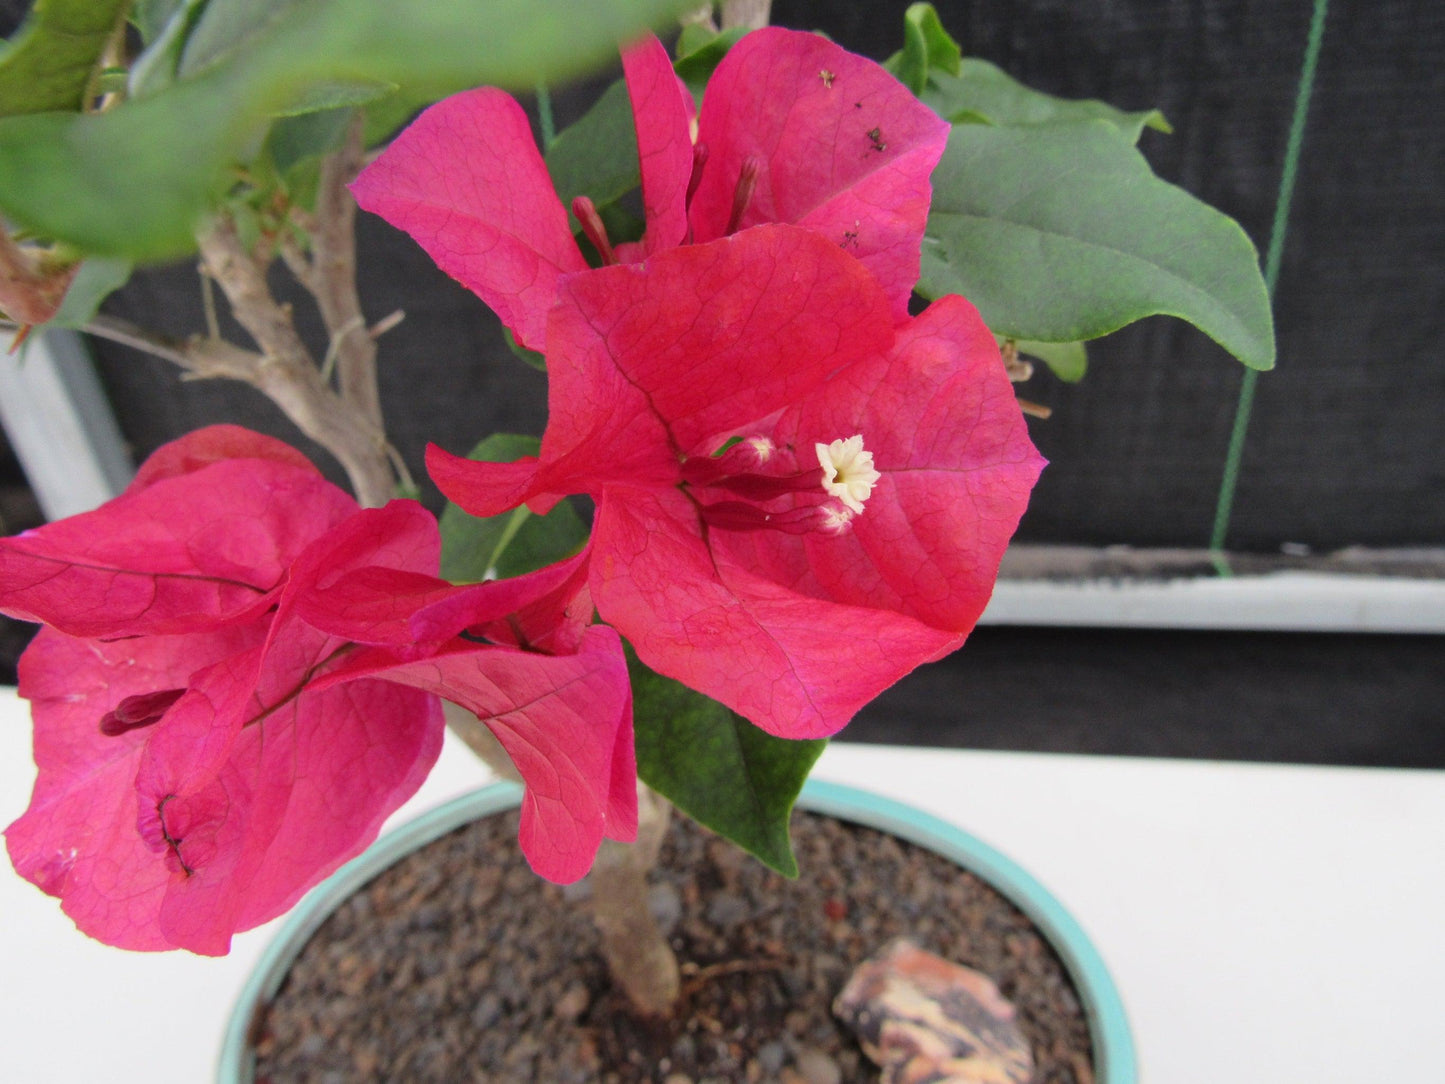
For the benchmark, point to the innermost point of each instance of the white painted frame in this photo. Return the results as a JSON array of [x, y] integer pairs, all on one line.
[[60, 424]]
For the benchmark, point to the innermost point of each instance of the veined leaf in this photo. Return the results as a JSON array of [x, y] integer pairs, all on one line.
[[513, 542], [596, 157], [700, 52], [717, 767], [981, 93], [1062, 232]]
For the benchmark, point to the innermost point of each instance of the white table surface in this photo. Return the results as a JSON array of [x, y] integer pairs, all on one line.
[[1263, 923]]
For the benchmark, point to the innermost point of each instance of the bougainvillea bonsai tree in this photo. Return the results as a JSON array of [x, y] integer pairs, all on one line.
[[779, 391]]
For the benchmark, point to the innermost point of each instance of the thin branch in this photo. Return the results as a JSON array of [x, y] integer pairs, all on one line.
[[333, 275], [752, 14], [296, 260], [702, 16], [1035, 410], [333, 348], [208, 302], [386, 323], [287, 373]]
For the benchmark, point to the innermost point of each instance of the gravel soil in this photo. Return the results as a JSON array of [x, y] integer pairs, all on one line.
[[458, 964]]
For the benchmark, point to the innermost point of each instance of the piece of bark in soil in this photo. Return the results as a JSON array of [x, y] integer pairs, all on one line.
[[927, 1020]]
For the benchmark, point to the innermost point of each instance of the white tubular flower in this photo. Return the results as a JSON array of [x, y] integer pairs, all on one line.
[[848, 472]]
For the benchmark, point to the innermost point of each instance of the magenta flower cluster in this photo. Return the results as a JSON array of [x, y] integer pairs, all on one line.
[[802, 493]]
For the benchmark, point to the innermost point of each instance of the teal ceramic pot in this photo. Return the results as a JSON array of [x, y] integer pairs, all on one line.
[[1114, 1061]]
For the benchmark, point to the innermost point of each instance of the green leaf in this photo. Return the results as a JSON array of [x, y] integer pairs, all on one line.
[[717, 767], [927, 48], [597, 156], [385, 115], [227, 28], [136, 180], [293, 140], [96, 280], [155, 68], [327, 96], [533, 358], [699, 54], [151, 17], [1067, 361], [514, 542], [981, 93], [48, 62], [693, 37], [1061, 232]]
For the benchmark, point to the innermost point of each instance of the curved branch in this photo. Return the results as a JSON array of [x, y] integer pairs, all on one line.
[[287, 373], [331, 276]]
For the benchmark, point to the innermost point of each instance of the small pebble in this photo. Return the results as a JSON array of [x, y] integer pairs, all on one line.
[[665, 903], [727, 909], [573, 1003], [772, 1055], [487, 1010], [816, 1067]]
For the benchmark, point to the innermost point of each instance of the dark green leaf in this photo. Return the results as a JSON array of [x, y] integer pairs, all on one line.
[[597, 156], [699, 54], [48, 62], [531, 357], [717, 767], [978, 92], [309, 135], [96, 280], [693, 37], [927, 48], [514, 542], [1061, 232], [135, 180], [385, 115], [621, 224], [1067, 361]]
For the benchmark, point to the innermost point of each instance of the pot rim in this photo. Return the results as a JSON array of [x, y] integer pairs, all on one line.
[[1113, 1042], [1114, 1058]]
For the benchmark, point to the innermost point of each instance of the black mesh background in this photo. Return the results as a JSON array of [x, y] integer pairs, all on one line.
[[1342, 448]]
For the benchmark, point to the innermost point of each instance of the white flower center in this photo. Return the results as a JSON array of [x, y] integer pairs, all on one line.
[[848, 472]]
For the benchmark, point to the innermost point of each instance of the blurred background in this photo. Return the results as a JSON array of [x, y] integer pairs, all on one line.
[[1341, 469]]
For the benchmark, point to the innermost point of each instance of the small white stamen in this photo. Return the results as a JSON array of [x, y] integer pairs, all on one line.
[[848, 472], [762, 447], [836, 519]]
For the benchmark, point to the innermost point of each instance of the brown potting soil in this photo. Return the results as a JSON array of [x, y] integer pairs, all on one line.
[[459, 964]]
